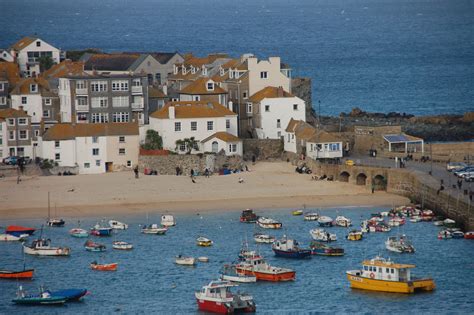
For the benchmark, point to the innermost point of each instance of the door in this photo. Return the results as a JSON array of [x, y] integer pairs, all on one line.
[[215, 147], [109, 166], [12, 151]]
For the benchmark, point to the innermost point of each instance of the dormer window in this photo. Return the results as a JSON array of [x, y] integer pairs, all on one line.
[[237, 74], [231, 74], [193, 70], [184, 70], [33, 88], [38, 44], [204, 70], [210, 86], [222, 72], [175, 70]]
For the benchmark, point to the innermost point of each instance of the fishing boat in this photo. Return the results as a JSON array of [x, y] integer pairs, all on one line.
[[289, 248], [343, 221], [185, 261], [325, 221], [100, 230], [248, 216], [70, 294], [154, 229], [117, 225], [246, 252], [263, 238], [22, 274], [18, 231], [354, 235], [318, 248], [427, 215], [103, 267], [379, 227], [53, 222], [92, 246], [457, 234], [469, 235], [230, 273], [13, 238], [168, 220], [311, 216], [322, 235], [396, 221], [267, 223], [449, 223], [400, 244], [203, 241], [122, 245], [297, 212], [44, 298], [379, 274], [42, 247], [258, 267], [79, 233], [444, 235], [216, 297]]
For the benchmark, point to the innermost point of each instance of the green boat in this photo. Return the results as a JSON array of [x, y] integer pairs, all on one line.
[[44, 298]]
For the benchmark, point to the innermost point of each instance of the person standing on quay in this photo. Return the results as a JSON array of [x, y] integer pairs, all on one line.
[[135, 170]]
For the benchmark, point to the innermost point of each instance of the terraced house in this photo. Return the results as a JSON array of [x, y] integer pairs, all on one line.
[[15, 134]]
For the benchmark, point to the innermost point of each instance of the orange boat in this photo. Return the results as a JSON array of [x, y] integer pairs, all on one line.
[[9, 274], [256, 266], [104, 267]]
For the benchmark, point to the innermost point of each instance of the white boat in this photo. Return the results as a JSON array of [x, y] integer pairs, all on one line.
[[78, 232], [185, 261], [325, 221], [393, 222], [168, 220], [449, 223], [12, 238], [117, 225], [384, 213], [364, 226], [217, 297], [55, 222], [154, 229], [322, 235], [399, 244], [415, 219], [122, 245], [42, 247], [438, 223], [263, 238], [203, 259], [444, 234], [343, 221], [312, 216], [230, 273], [267, 223]]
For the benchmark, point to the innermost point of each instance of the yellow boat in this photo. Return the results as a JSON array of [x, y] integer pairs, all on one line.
[[297, 212], [202, 241], [354, 235], [379, 274]]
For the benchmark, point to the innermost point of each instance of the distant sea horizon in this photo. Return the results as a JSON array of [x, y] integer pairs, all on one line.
[[413, 57]]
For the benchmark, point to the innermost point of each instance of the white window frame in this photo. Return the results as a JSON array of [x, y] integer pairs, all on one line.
[[33, 88], [97, 162], [295, 106], [47, 101], [10, 133], [11, 121], [121, 117], [122, 151], [3, 100], [100, 102], [57, 144], [22, 121], [24, 100], [227, 123], [120, 101], [122, 139], [119, 85], [249, 108], [263, 74], [87, 165], [95, 151], [267, 108], [57, 156], [210, 125], [193, 125], [97, 118], [25, 133], [177, 126], [99, 86]]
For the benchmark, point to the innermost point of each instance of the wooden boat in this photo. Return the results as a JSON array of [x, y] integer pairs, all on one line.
[[248, 216], [117, 225], [325, 221], [311, 216], [92, 246], [216, 297], [23, 274], [79, 233], [400, 244], [154, 229], [203, 241], [70, 294], [267, 223], [168, 220], [42, 247], [185, 261], [354, 235], [13, 238], [318, 248], [469, 235], [322, 235], [343, 221], [297, 212], [263, 238], [122, 245], [44, 298], [103, 267], [17, 230], [229, 273], [289, 248], [379, 274], [263, 271], [99, 230]]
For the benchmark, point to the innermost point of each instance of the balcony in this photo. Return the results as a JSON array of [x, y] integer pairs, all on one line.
[[81, 91], [82, 107], [137, 89], [137, 106]]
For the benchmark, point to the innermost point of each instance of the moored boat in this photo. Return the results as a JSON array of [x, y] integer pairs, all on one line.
[[400, 244], [17, 230], [99, 230], [103, 267], [268, 223], [319, 248], [13, 238], [427, 215], [444, 234], [92, 246], [248, 216], [22, 274], [263, 271], [44, 298], [230, 273], [70, 294], [216, 297], [168, 220], [117, 225], [289, 248], [42, 247], [343, 221], [325, 221], [322, 235], [311, 216], [263, 238], [379, 274], [449, 223], [185, 261], [469, 235], [79, 233], [122, 245], [203, 259], [154, 229], [415, 219], [396, 221], [297, 212], [56, 222], [457, 234], [354, 235], [203, 241]]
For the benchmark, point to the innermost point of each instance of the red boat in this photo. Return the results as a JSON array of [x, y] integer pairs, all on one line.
[[19, 230], [469, 235], [256, 266], [104, 267], [9, 274]]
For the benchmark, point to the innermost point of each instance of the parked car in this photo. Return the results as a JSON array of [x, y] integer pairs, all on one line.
[[461, 173], [466, 173], [11, 160], [454, 166], [469, 178]]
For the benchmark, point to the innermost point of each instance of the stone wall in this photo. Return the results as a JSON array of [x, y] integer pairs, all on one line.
[[262, 149], [302, 88]]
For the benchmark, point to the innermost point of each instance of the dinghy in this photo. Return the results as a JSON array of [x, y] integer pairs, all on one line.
[[185, 261]]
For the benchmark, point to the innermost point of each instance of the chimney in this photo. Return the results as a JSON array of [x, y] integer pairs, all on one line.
[[230, 106], [280, 91], [171, 112]]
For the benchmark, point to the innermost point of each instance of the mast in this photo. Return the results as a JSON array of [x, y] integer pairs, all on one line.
[[49, 208]]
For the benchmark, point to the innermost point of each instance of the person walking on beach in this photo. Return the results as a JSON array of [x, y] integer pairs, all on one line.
[[373, 187], [206, 172], [135, 170]]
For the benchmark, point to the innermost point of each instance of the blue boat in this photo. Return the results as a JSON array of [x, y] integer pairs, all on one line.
[[43, 298], [289, 248], [69, 294], [99, 230]]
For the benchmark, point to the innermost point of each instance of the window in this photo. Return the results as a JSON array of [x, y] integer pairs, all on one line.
[[81, 100], [2, 86], [37, 132], [3, 100], [193, 125], [278, 123], [227, 123], [99, 102], [210, 86], [392, 271], [177, 126], [121, 117], [80, 85], [279, 134], [295, 106], [121, 151], [249, 108], [57, 144], [11, 135], [24, 99], [232, 148], [288, 138], [122, 139], [57, 156], [99, 86], [120, 101], [121, 85], [23, 134], [129, 163], [22, 121], [182, 147], [95, 139], [33, 88], [95, 151], [267, 108], [38, 44], [100, 118], [245, 95], [46, 113], [82, 117], [138, 82], [47, 101], [97, 162], [334, 146], [87, 165], [263, 75], [210, 125]]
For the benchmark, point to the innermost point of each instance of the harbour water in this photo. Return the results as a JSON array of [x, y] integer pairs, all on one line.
[[379, 55], [148, 281]]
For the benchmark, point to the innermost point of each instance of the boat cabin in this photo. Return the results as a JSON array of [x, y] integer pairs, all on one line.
[[382, 269], [41, 243], [218, 290], [286, 244]]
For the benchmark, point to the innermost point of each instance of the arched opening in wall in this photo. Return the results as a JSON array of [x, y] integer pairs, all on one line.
[[380, 183], [215, 147], [344, 177], [361, 179]]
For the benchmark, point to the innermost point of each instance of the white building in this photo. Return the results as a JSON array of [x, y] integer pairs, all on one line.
[[15, 134], [93, 148], [324, 145], [231, 144], [298, 132], [271, 110], [200, 120], [27, 53], [265, 73]]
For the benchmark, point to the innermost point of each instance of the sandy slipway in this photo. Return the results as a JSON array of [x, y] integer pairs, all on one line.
[[268, 185]]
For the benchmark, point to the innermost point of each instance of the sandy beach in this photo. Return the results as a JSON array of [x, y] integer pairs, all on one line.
[[268, 185]]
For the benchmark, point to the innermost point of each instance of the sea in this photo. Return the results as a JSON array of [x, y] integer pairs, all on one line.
[[412, 56], [149, 282]]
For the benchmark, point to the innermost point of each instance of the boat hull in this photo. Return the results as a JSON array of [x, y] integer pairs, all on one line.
[[390, 286], [222, 308], [301, 254], [40, 301], [24, 274], [327, 252], [107, 267], [19, 230], [47, 252], [264, 276], [70, 294]]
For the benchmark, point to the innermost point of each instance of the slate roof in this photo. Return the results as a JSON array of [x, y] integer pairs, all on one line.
[[109, 62]]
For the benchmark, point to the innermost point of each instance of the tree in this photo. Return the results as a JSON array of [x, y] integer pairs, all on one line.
[[153, 140], [189, 143], [45, 62]]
